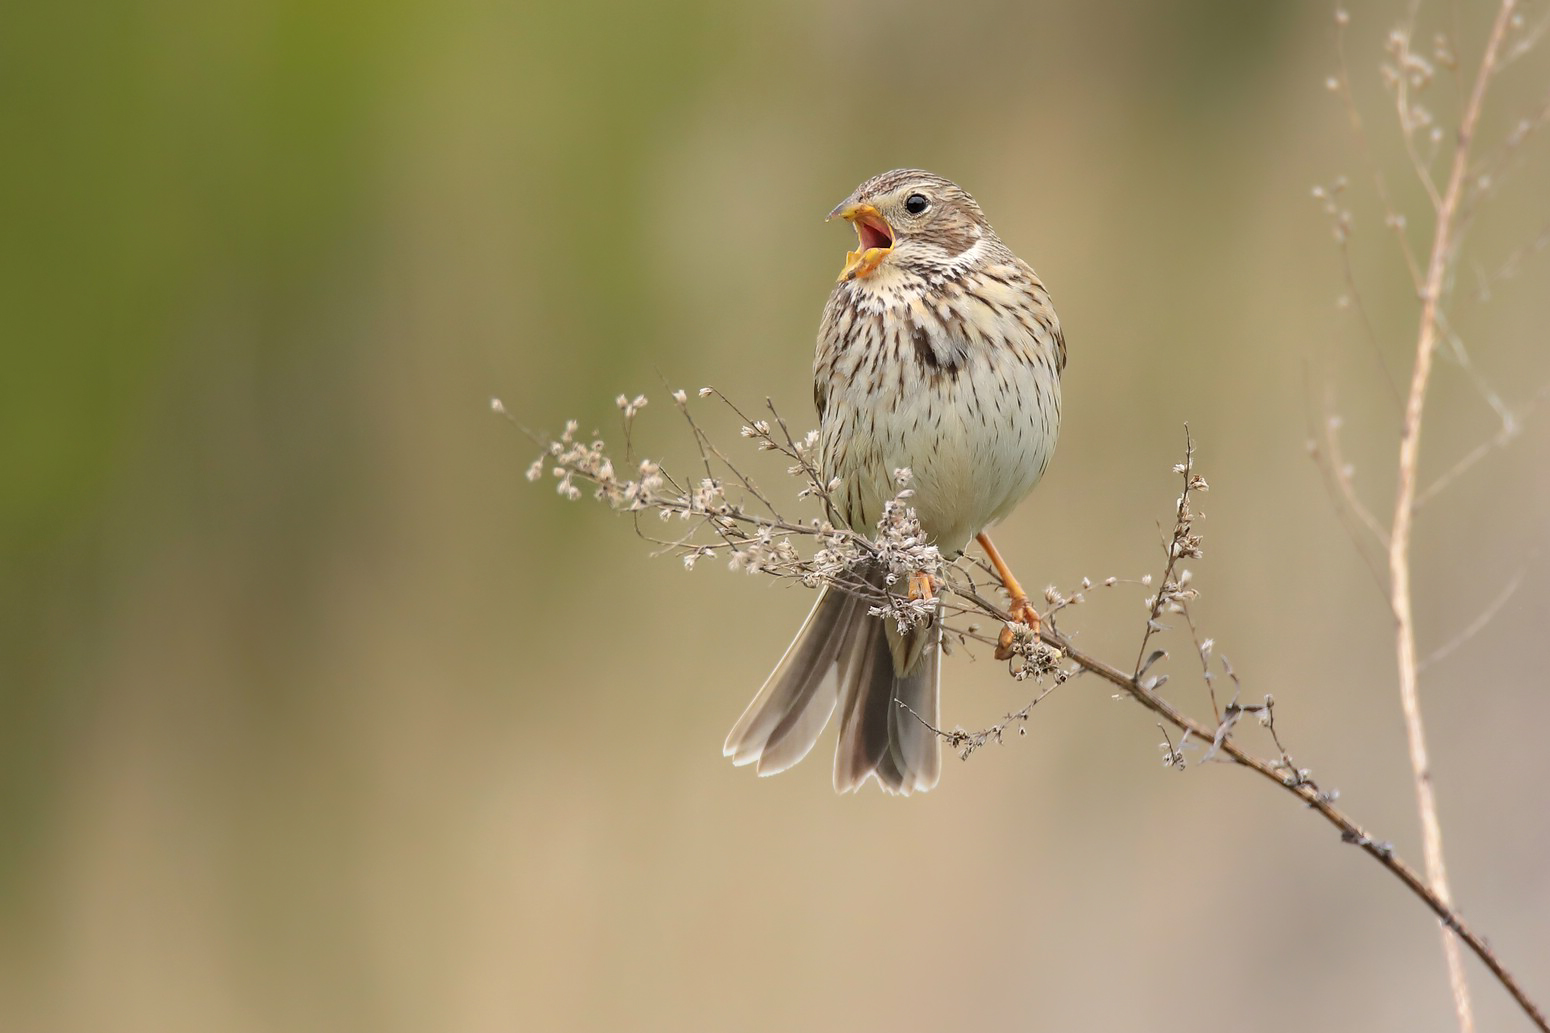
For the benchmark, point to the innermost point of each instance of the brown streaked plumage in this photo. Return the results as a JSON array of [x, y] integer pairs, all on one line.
[[939, 351]]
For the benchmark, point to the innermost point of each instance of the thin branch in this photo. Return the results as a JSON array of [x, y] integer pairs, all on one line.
[[1343, 475], [762, 543], [1392, 217], [1283, 771], [1409, 120], [1509, 432], [1340, 223], [1460, 354], [1486, 616], [1318, 801], [1526, 41], [1490, 173], [1338, 486], [1509, 266], [1404, 503], [1203, 649], [1184, 544]]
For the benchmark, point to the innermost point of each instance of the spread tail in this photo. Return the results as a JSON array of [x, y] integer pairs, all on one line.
[[843, 657]]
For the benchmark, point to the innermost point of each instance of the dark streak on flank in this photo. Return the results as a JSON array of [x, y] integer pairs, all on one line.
[[938, 364]]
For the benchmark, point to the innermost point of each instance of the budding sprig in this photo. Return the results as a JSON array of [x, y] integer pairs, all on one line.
[[729, 517]]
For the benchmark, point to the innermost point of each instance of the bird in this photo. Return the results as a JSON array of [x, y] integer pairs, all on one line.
[[939, 352]]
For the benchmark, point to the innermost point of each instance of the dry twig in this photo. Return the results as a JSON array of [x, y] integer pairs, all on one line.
[[746, 529], [1437, 273]]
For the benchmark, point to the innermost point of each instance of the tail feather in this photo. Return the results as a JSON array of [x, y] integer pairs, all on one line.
[[789, 712], [913, 744], [863, 741], [844, 657], [879, 737]]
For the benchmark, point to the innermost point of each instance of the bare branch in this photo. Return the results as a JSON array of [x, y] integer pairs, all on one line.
[[1447, 208], [1478, 624], [1511, 428], [1392, 217], [1513, 262], [766, 543]]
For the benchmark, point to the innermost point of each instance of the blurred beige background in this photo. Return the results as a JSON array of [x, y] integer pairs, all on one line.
[[317, 716]]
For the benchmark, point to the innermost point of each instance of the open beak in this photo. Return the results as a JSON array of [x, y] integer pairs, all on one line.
[[874, 239]]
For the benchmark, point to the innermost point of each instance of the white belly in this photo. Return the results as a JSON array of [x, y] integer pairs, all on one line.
[[976, 437]]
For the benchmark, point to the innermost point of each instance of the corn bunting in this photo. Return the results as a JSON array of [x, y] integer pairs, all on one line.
[[939, 352]]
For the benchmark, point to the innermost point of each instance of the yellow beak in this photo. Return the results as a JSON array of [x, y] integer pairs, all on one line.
[[874, 239]]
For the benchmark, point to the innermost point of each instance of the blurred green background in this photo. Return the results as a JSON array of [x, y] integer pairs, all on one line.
[[317, 716]]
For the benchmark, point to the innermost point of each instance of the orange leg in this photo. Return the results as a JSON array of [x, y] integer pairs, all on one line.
[[1021, 610], [920, 586]]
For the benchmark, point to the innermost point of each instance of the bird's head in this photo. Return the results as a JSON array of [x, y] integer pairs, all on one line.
[[911, 219]]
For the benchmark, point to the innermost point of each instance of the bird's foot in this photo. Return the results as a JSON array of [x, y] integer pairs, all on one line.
[[1021, 612], [922, 586]]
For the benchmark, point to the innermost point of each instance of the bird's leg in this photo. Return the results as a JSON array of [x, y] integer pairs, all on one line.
[[920, 586], [1020, 609]]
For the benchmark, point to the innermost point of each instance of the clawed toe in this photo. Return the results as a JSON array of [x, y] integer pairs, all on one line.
[[1021, 612]]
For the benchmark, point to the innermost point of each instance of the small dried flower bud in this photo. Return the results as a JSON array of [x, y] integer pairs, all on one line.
[[497, 406]]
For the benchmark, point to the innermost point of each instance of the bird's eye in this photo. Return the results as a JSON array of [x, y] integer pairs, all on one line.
[[916, 203]]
